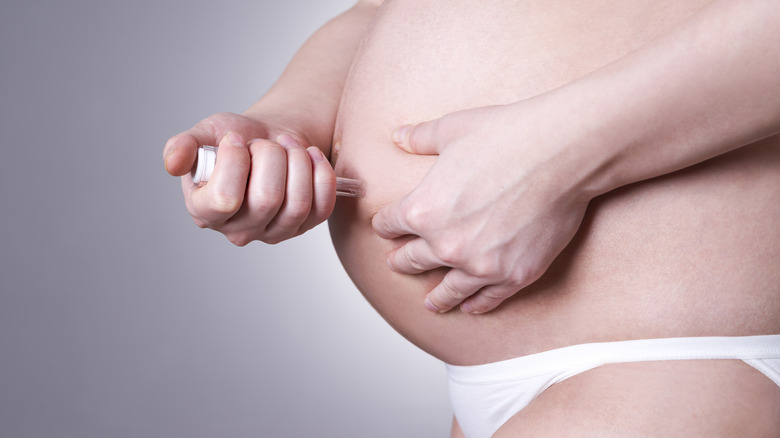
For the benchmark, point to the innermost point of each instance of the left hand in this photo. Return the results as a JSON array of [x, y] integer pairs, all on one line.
[[497, 206]]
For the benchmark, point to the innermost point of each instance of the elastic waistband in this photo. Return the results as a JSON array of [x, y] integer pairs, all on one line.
[[601, 353]]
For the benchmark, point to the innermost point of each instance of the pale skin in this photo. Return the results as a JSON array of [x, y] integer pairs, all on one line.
[[472, 223], [500, 234]]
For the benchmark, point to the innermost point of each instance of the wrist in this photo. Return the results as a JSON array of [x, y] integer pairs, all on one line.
[[307, 127], [600, 136], [571, 139]]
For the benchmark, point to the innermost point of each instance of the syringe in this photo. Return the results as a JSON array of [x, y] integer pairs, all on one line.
[[207, 158]]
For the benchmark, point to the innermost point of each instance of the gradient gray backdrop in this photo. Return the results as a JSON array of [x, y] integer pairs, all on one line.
[[118, 316]]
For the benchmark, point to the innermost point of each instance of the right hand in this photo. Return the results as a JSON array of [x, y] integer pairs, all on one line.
[[267, 190]]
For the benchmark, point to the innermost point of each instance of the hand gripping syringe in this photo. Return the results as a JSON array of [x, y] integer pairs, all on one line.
[[207, 158]]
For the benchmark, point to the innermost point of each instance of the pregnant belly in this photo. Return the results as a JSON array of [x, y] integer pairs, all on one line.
[[641, 265]]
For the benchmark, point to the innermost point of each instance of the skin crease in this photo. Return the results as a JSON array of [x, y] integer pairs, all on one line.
[[690, 253]]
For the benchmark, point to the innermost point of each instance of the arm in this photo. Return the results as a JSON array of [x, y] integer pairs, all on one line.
[[710, 86], [310, 88], [274, 188]]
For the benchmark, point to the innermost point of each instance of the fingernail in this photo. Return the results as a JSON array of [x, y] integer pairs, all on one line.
[[400, 134], [430, 306], [316, 154], [287, 141], [235, 139], [168, 154]]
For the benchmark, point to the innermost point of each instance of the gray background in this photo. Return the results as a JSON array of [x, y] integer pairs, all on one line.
[[118, 316]]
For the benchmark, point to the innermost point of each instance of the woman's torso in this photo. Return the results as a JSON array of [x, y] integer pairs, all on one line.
[[693, 253]]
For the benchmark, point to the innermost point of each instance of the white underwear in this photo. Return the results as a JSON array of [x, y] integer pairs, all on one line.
[[484, 397]]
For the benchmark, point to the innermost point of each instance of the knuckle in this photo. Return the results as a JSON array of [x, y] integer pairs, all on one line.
[[200, 223], [412, 260], [269, 201], [488, 299], [320, 215], [298, 209], [225, 204], [417, 215], [209, 124], [455, 292], [450, 252], [518, 277], [273, 240], [525, 275], [484, 267], [306, 226], [494, 296], [239, 239]]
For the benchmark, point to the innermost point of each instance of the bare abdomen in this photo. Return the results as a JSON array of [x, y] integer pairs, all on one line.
[[693, 253]]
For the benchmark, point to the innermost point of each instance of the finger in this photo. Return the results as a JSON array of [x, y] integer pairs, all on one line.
[[390, 222], [426, 138], [324, 189], [298, 193], [267, 181], [413, 257], [454, 288], [181, 149], [223, 195], [488, 298]]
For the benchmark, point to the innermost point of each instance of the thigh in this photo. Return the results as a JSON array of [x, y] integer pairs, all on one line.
[[456, 431], [703, 398]]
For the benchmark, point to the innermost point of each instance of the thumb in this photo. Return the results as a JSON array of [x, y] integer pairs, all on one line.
[[420, 139]]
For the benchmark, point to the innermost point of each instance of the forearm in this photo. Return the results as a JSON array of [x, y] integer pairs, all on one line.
[[308, 92], [708, 87]]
